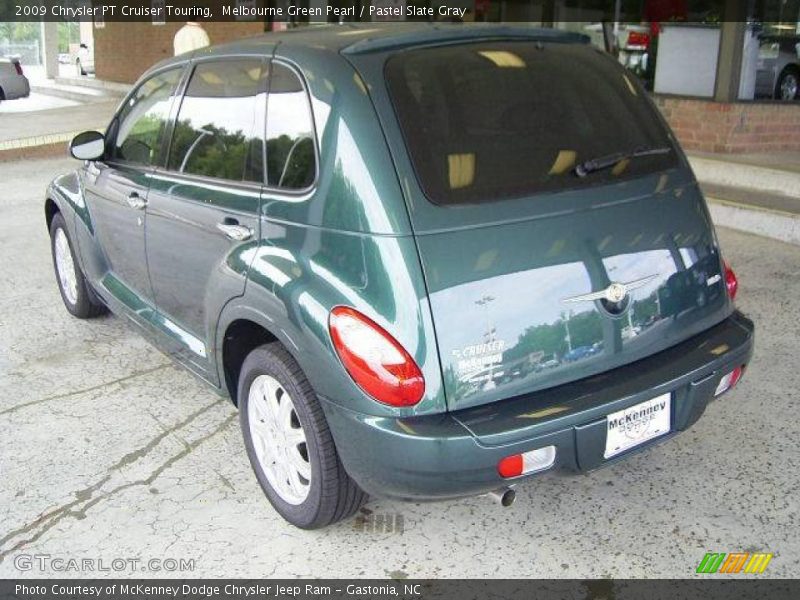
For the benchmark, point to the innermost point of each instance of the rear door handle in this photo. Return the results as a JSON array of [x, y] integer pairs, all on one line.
[[234, 231], [136, 201]]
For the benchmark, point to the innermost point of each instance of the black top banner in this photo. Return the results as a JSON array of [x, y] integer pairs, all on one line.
[[336, 11], [411, 589]]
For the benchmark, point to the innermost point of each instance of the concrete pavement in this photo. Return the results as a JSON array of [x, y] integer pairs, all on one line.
[[108, 451]]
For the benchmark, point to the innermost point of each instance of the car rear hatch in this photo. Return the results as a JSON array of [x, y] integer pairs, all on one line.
[[487, 136]]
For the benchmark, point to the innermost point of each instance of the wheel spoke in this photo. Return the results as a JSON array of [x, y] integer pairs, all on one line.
[[299, 464], [260, 409], [261, 445], [295, 436], [285, 413], [297, 486], [271, 388]]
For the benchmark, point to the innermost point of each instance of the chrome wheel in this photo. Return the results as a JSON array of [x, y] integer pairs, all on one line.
[[789, 87], [278, 439], [65, 267]]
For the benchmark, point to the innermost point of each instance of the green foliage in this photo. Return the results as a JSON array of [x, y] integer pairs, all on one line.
[[300, 170], [68, 33], [215, 153], [19, 32], [585, 329]]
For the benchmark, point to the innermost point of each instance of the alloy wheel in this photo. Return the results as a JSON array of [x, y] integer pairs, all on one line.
[[65, 266], [279, 439]]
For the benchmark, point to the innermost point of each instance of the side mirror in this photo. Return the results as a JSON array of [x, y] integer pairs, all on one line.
[[89, 145]]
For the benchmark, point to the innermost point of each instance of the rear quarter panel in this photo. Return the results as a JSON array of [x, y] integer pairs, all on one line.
[[347, 241]]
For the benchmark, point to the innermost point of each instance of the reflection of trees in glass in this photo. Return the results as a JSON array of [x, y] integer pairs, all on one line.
[[290, 161], [645, 309], [141, 143], [208, 150], [141, 123]]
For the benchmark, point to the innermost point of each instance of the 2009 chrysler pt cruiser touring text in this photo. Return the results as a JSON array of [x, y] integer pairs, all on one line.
[[425, 262]]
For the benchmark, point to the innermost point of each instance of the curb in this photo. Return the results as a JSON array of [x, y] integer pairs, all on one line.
[[39, 146], [774, 224], [740, 175]]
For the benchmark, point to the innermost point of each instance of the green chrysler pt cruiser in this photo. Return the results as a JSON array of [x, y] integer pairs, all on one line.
[[424, 261]]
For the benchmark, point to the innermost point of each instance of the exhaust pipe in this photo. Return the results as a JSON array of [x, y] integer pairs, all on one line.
[[504, 496]]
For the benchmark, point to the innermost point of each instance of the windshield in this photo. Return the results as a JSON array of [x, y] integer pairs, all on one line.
[[497, 120]]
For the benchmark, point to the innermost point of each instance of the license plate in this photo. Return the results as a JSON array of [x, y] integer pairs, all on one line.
[[626, 429]]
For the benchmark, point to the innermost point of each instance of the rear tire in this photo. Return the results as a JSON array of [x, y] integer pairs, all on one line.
[[319, 492], [78, 298]]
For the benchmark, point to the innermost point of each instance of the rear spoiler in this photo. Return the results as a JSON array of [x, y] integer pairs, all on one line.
[[443, 34]]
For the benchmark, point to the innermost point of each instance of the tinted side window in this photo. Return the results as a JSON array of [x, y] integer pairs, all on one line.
[[216, 131], [291, 158], [141, 122]]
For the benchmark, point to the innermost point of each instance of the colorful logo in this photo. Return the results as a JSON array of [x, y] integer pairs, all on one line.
[[734, 562]]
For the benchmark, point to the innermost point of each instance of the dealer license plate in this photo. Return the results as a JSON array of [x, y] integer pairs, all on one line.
[[632, 426]]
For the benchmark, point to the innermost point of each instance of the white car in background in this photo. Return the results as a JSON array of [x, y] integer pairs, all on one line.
[[13, 83], [84, 60]]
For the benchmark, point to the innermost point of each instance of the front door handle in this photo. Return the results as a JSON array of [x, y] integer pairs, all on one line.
[[136, 201], [235, 231]]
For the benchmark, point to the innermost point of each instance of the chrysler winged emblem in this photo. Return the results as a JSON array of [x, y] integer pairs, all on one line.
[[616, 292]]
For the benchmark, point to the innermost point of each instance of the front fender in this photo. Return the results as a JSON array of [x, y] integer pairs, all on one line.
[[67, 193]]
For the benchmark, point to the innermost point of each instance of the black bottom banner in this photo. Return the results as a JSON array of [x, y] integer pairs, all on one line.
[[457, 589]]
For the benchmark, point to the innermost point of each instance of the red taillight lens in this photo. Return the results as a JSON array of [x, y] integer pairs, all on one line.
[[374, 359], [731, 283], [736, 375], [510, 466], [638, 38], [18, 67]]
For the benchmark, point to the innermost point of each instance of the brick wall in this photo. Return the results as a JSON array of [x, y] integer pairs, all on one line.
[[742, 127], [123, 51]]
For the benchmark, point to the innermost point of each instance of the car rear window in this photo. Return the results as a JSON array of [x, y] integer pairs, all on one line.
[[497, 120]]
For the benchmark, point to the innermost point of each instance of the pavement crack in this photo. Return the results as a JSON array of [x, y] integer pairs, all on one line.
[[85, 499], [51, 517], [132, 457], [84, 390]]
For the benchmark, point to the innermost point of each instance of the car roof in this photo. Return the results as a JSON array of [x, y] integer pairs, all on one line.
[[362, 38]]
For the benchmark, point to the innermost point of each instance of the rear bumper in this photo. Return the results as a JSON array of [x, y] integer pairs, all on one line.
[[456, 454]]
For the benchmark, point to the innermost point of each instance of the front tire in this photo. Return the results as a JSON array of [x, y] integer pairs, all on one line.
[[289, 444], [78, 298]]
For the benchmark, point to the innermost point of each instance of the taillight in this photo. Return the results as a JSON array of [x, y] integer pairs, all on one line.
[[374, 359], [729, 381], [532, 461], [638, 38], [18, 67], [731, 283]]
